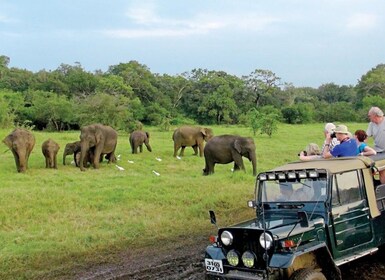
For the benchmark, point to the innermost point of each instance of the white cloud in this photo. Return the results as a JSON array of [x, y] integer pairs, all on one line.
[[362, 22], [148, 24]]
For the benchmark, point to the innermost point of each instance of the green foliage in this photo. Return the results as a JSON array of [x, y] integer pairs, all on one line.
[[201, 95], [106, 109], [264, 120]]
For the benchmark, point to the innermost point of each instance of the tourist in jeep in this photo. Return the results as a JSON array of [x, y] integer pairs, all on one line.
[[347, 146]]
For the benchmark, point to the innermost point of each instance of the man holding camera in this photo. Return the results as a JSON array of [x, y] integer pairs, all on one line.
[[347, 146]]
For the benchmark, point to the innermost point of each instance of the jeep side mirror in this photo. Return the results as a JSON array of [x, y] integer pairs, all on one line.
[[251, 204], [303, 219], [212, 217]]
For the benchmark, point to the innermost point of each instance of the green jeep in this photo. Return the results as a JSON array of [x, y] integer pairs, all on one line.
[[311, 217]]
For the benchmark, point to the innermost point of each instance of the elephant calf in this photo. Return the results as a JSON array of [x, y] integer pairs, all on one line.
[[21, 143], [74, 148], [50, 149], [137, 139], [228, 148]]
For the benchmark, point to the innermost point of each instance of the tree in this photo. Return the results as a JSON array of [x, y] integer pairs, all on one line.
[[372, 83], [264, 120], [260, 85]]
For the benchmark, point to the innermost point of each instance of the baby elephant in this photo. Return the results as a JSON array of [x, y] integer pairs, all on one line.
[[137, 138], [50, 149]]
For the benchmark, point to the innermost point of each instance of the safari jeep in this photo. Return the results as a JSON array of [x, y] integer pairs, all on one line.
[[334, 214]]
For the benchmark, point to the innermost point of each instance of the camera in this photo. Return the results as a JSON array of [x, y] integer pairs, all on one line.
[[333, 135], [304, 153]]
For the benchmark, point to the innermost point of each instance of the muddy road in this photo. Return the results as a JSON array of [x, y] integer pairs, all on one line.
[[186, 262]]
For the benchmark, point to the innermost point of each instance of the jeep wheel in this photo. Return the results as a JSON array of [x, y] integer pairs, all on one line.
[[307, 274]]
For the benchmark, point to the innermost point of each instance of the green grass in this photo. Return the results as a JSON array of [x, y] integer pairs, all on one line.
[[53, 222]]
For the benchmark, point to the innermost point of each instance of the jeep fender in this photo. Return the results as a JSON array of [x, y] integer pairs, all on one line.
[[312, 255]]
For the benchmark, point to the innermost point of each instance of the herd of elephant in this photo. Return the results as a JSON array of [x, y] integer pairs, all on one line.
[[98, 141]]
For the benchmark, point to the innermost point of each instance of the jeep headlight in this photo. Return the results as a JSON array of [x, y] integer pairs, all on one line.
[[248, 259], [265, 240], [227, 238], [232, 257]]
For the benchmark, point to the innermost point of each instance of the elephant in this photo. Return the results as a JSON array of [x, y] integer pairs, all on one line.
[[191, 136], [228, 148], [50, 149], [71, 148], [104, 140], [21, 142], [137, 138]]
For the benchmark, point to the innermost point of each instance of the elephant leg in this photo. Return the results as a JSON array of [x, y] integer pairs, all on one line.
[[195, 147], [238, 162], [141, 148], [200, 145], [176, 148], [209, 168], [182, 151]]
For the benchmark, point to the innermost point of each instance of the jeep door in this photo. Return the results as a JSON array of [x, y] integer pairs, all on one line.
[[350, 226]]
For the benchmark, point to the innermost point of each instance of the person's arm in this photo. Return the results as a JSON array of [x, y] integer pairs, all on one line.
[[326, 152], [368, 151]]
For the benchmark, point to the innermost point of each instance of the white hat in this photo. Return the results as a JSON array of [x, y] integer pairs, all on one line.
[[342, 129], [329, 127]]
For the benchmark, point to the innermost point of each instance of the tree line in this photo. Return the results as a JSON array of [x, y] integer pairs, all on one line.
[[70, 97]]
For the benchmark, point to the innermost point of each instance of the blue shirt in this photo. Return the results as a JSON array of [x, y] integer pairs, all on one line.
[[361, 148], [347, 148]]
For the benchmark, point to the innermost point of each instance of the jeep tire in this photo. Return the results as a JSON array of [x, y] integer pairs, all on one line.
[[307, 274]]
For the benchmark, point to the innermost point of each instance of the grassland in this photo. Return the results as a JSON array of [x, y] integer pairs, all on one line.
[[55, 221]]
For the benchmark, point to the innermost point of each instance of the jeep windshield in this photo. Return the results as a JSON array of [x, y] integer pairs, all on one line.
[[292, 187]]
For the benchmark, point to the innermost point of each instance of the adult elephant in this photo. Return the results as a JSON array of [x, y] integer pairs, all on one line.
[[137, 139], [21, 143], [191, 136], [50, 149], [104, 140], [224, 149]]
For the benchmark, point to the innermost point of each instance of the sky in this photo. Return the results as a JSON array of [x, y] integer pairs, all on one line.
[[304, 42]]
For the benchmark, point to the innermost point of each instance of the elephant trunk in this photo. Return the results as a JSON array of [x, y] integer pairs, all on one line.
[[253, 159], [64, 157], [21, 161], [84, 147]]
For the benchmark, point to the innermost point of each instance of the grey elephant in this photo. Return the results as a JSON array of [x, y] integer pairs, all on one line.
[[191, 136], [72, 148], [104, 140], [137, 139], [21, 143], [224, 149], [50, 149]]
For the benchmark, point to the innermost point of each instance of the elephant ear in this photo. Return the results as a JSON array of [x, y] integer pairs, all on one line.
[[98, 136], [148, 134], [7, 141], [203, 131], [238, 146]]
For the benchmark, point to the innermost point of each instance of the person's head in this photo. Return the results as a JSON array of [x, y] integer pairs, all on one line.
[[329, 128], [312, 149], [342, 132], [360, 135], [286, 189], [375, 115]]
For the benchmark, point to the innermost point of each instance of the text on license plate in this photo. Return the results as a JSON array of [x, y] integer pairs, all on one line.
[[214, 265]]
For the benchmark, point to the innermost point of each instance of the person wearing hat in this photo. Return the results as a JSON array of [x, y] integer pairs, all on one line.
[[347, 146], [329, 128]]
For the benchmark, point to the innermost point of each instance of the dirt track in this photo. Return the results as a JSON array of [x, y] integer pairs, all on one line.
[[186, 262]]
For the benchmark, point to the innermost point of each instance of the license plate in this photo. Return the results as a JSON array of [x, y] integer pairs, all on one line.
[[214, 265]]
